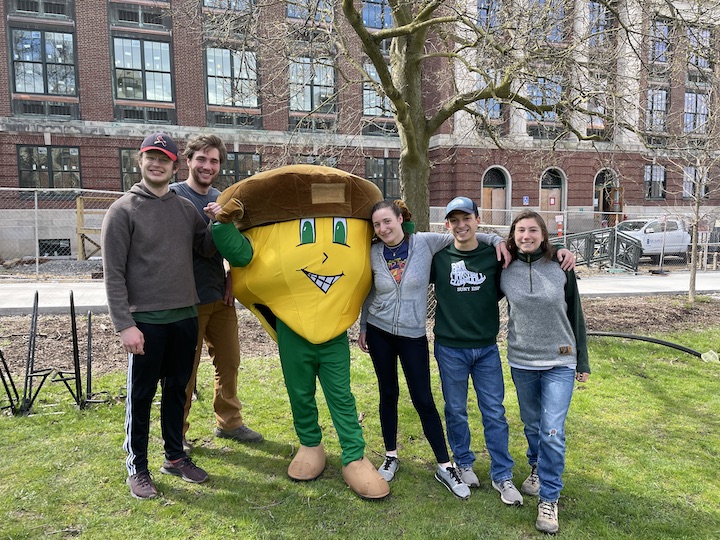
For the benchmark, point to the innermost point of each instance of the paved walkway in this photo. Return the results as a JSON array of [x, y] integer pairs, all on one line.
[[16, 297]]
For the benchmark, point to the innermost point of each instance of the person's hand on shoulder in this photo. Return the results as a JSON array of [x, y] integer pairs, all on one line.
[[503, 254], [566, 259], [212, 210]]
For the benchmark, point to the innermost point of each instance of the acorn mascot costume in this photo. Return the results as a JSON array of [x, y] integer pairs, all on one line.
[[298, 240]]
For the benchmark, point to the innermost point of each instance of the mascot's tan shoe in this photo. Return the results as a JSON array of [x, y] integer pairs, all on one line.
[[308, 463], [364, 479]]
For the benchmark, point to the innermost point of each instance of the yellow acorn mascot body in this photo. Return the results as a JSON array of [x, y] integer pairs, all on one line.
[[298, 240]]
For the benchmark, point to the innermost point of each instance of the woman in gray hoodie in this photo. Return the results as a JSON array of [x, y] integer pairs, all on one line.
[[547, 352]]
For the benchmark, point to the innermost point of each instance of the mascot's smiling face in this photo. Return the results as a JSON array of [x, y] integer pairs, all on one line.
[[310, 231], [313, 274]]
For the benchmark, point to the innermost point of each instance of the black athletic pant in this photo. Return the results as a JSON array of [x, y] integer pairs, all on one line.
[[385, 348], [168, 358]]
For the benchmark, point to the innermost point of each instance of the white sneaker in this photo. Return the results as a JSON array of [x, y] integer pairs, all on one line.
[[450, 478], [389, 467], [547, 520], [468, 476]]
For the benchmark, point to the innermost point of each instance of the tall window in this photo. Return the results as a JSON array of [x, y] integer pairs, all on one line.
[[238, 166], [377, 14], [129, 169], [696, 112], [312, 85], [491, 108], [699, 47], [317, 10], [656, 113], [545, 92], [44, 62], [385, 174], [660, 42], [232, 78], [49, 167], [142, 70], [600, 23], [489, 13], [654, 182], [244, 6], [374, 103], [694, 179], [548, 17]]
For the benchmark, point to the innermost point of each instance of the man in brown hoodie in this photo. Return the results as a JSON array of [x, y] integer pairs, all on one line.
[[148, 237]]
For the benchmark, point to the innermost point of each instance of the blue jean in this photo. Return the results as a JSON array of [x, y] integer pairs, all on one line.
[[485, 368], [544, 399]]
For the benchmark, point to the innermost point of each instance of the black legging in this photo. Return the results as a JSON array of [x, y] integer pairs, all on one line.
[[415, 360]]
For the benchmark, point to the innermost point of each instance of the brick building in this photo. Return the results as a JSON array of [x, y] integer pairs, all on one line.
[[85, 81]]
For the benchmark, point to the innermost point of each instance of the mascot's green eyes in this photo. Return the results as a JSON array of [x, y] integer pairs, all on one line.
[[308, 233], [340, 231]]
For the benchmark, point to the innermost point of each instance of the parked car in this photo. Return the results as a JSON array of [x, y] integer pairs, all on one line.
[[658, 235]]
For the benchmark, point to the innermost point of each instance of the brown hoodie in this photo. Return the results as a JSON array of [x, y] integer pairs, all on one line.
[[147, 246]]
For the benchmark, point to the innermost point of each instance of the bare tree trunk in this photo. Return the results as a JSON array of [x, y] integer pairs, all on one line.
[[414, 179]]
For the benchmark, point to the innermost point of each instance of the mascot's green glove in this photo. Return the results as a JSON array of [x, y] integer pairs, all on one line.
[[231, 244]]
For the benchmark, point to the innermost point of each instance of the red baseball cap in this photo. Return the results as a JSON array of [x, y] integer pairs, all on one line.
[[160, 141]]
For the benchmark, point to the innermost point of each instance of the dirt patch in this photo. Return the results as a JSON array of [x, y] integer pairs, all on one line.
[[644, 315]]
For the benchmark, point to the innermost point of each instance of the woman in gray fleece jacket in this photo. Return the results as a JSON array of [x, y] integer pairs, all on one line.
[[547, 352], [392, 325]]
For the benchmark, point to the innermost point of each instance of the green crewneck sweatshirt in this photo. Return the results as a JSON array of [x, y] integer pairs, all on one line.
[[467, 291]]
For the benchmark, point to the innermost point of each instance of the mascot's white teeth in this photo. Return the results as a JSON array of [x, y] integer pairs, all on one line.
[[323, 282]]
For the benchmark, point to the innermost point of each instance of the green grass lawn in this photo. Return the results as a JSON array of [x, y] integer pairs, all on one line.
[[642, 463]]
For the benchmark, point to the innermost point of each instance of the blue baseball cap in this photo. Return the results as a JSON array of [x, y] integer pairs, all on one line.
[[461, 204]]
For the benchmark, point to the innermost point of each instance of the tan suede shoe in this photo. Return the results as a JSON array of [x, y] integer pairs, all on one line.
[[308, 463], [364, 479]]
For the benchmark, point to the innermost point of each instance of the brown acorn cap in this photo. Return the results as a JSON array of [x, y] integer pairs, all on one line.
[[300, 191]]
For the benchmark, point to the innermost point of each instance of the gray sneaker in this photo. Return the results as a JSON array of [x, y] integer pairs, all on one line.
[[468, 476], [142, 486], [185, 469], [240, 434], [508, 492], [389, 467], [547, 519], [450, 478], [531, 485]]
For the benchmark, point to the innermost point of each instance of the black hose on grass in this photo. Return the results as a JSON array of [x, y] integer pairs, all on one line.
[[649, 339]]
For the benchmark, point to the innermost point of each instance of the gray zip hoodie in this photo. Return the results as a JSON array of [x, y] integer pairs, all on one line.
[[401, 308]]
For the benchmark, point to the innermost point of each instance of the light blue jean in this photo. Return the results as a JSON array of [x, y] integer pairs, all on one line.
[[544, 398], [485, 368]]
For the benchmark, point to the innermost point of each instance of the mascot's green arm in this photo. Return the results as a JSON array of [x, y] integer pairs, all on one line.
[[231, 244]]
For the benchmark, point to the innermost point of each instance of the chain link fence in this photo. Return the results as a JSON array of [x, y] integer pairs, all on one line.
[[65, 223], [58, 223]]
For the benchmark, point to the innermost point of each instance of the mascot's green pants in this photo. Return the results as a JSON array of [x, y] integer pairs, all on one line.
[[303, 363]]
